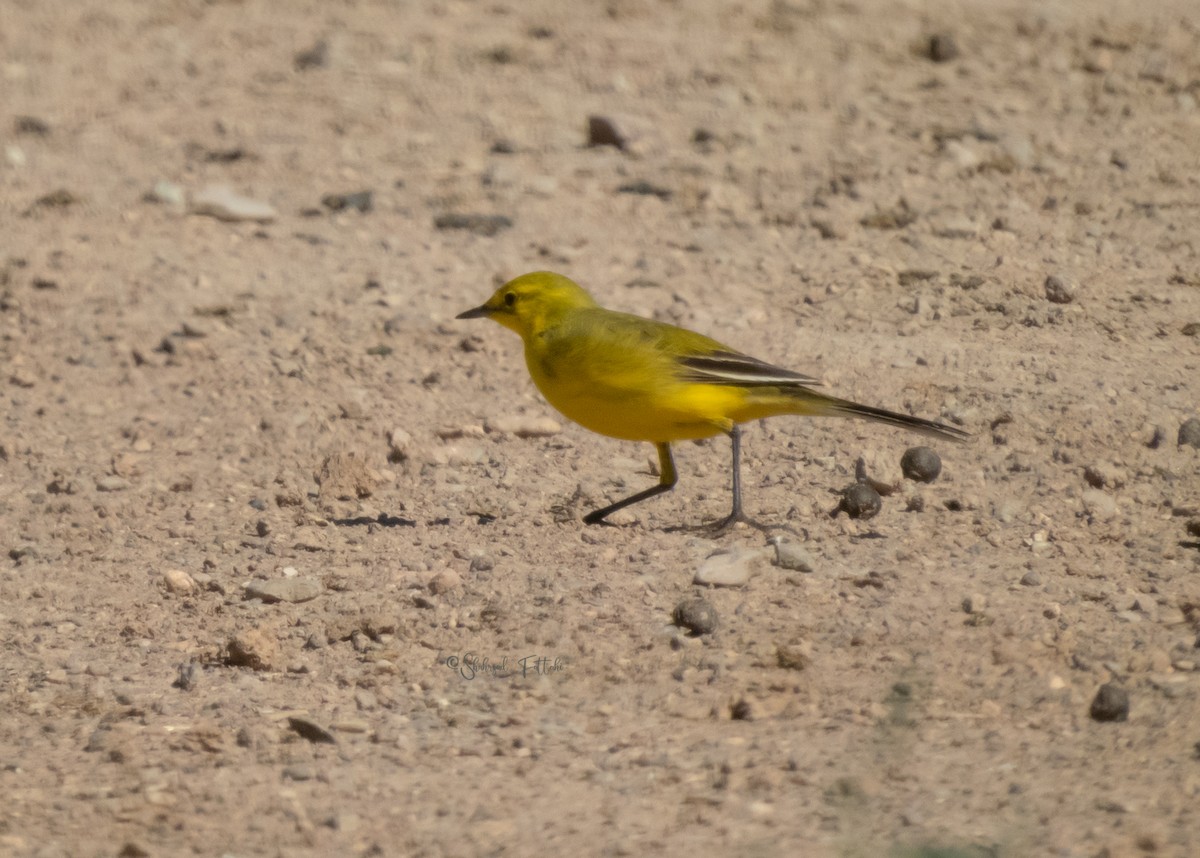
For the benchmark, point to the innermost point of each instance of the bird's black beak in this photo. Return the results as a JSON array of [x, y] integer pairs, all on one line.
[[480, 312]]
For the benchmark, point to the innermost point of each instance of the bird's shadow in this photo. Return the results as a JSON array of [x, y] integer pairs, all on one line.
[[382, 520]]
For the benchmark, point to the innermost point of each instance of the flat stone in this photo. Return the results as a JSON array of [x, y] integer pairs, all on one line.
[[730, 567], [284, 590], [221, 202]]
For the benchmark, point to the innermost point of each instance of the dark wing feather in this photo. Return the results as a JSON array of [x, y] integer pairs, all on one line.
[[743, 370]]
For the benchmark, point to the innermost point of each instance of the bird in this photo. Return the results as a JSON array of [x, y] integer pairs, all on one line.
[[638, 379]]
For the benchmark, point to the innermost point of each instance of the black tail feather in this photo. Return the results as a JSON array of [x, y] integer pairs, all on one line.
[[846, 408]]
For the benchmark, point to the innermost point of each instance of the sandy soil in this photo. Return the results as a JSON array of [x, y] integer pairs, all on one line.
[[294, 562]]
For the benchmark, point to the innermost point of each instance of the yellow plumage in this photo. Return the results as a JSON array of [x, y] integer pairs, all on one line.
[[641, 380]]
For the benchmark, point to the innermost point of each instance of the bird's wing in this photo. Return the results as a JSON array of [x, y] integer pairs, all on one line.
[[727, 367], [698, 358], [620, 349]]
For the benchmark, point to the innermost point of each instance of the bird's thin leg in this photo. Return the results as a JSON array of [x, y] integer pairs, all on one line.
[[736, 514], [666, 482], [735, 443]]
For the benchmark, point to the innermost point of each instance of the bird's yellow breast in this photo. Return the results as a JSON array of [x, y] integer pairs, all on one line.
[[633, 394]]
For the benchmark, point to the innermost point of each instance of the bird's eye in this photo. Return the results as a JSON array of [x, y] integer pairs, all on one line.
[[510, 298]]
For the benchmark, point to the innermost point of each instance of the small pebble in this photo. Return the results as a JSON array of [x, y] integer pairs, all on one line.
[[696, 615], [921, 464], [1058, 290], [168, 193], [112, 483], [221, 202], [314, 641], [898, 217], [178, 581], [604, 131], [1110, 704], [479, 224], [1104, 475], [942, 48], [400, 445], [299, 772], [346, 476], [445, 581], [1099, 505], [57, 199], [791, 555], [482, 563], [311, 731], [254, 649], [644, 188], [314, 57], [1189, 432], [974, 603], [362, 201], [186, 680], [741, 710], [796, 655], [1031, 579], [860, 501], [31, 125]]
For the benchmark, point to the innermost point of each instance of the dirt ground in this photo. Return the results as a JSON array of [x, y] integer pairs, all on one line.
[[293, 561]]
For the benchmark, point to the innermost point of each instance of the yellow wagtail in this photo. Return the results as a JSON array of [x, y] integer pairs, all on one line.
[[641, 380]]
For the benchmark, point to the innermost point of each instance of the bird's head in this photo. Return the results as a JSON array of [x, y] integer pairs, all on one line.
[[532, 302]]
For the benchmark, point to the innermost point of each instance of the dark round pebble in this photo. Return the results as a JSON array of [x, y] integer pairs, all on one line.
[[1189, 432], [1111, 703], [942, 48], [741, 711], [860, 501], [603, 131], [921, 464], [698, 616], [1058, 290]]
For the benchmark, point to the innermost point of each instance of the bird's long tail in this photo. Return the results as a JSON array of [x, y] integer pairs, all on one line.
[[803, 400], [846, 408], [768, 391]]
